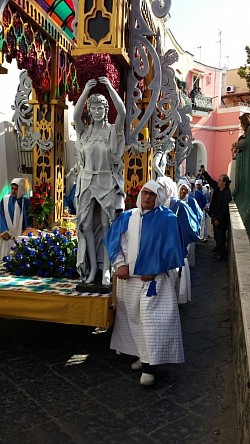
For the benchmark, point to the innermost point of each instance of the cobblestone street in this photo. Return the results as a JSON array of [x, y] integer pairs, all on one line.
[[61, 384]]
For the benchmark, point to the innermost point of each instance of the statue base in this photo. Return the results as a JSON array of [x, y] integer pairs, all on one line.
[[94, 287]]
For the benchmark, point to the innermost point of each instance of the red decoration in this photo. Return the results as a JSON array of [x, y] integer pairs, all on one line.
[[93, 66], [131, 197]]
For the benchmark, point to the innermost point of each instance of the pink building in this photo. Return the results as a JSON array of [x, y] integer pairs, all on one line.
[[214, 130], [215, 116]]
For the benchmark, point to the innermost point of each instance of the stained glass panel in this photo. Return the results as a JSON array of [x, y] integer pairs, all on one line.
[[62, 12]]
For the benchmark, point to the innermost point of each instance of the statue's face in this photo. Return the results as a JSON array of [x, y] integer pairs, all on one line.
[[97, 111]]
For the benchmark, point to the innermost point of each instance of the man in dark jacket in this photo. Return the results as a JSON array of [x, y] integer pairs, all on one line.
[[219, 210]]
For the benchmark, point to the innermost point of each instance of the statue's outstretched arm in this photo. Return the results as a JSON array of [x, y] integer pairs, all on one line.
[[78, 110], [117, 101]]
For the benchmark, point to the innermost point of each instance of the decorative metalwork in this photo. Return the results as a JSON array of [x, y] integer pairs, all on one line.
[[184, 135], [3, 3], [161, 8], [144, 61], [23, 115], [171, 117], [166, 116]]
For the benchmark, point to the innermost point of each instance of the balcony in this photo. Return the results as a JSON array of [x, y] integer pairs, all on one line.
[[202, 103]]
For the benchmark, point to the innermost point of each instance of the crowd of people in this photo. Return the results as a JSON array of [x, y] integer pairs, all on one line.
[[152, 249]]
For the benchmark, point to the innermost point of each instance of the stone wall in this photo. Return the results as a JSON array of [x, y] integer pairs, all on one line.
[[239, 266]]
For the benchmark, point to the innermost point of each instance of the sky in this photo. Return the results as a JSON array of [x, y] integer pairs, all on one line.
[[198, 26]]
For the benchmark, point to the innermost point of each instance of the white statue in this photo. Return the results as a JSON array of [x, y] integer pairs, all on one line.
[[160, 158], [100, 186]]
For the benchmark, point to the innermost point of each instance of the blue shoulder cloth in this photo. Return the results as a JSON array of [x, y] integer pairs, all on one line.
[[192, 202], [161, 247], [188, 220], [112, 240]]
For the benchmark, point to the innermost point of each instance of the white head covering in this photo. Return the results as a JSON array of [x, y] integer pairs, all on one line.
[[20, 182], [169, 188], [198, 182], [157, 189], [181, 183]]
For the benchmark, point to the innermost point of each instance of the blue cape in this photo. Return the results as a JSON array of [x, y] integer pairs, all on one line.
[[11, 203], [161, 245], [192, 202], [188, 220], [201, 199]]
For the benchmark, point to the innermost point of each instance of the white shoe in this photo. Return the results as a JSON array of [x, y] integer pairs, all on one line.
[[137, 365], [147, 379]]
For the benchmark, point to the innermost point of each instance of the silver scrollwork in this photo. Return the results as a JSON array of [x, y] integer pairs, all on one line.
[[23, 117], [166, 116], [161, 8], [141, 51]]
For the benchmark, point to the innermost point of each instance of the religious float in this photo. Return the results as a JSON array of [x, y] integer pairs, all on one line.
[[58, 48]]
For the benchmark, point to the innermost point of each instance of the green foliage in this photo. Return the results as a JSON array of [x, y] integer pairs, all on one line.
[[244, 71], [46, 255]]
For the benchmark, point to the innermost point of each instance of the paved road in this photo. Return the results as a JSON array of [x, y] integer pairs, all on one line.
[[61, 384]]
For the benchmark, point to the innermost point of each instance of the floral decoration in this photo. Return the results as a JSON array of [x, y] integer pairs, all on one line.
[[48, 255], [131, 197], [41, 204], [93, 66]]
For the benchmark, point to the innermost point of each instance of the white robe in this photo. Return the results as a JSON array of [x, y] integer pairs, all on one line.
[[147, 327], [183, 288], [14, 227]]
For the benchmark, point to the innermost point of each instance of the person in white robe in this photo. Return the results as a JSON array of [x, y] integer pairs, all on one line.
[[190, 232], [184, 192], [13, 215], [144, 244]]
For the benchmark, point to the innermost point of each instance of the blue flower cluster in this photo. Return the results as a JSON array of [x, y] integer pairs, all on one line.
[[48, 255]]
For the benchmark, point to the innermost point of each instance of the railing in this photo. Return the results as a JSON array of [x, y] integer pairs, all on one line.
[[202, 103], [242, 183]]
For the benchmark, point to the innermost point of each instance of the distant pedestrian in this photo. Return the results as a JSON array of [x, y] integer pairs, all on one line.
[[219, 211]]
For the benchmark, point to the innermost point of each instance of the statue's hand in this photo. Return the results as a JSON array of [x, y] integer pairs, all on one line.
[[104, 81], [90, 84]]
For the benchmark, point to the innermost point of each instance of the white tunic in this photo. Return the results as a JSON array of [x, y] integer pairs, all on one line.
[[147, 327]]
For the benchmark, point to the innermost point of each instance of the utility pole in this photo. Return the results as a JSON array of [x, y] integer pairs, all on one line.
[[199, 47], [219, 48]]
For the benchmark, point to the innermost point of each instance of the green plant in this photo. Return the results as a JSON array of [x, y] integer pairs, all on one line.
[[244, 71], [48, 255]]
